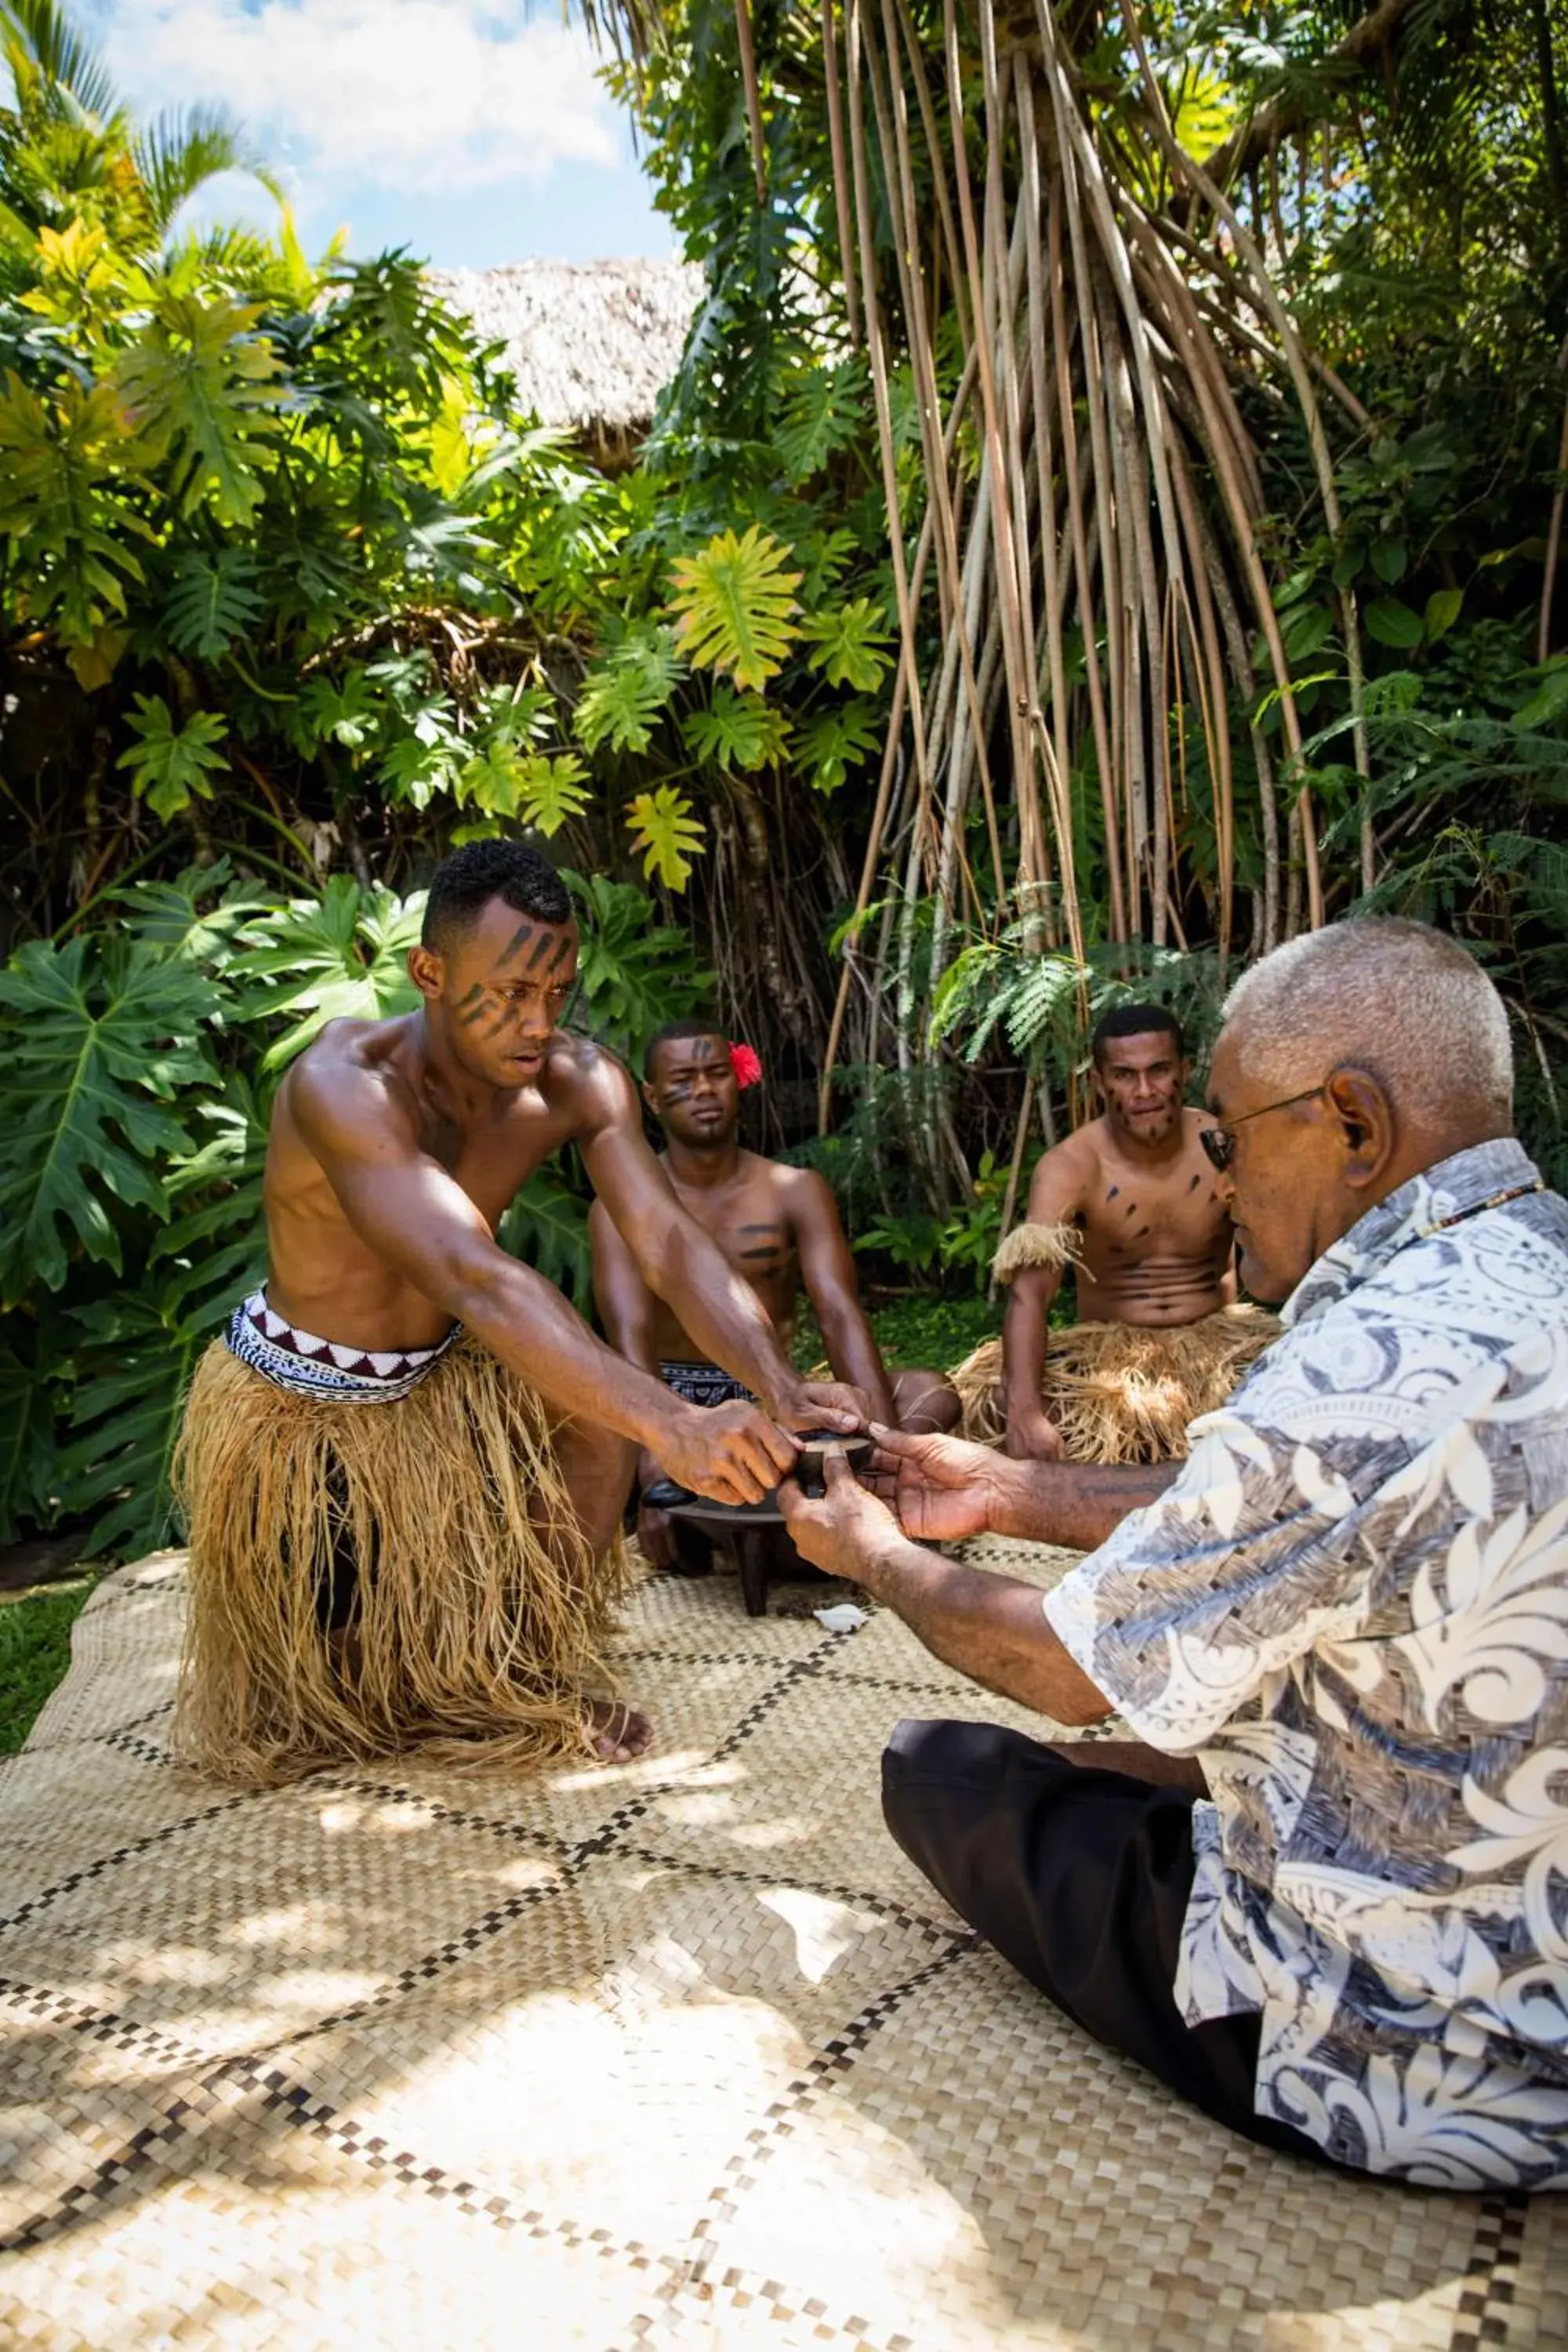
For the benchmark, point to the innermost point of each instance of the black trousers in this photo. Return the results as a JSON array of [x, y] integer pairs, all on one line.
[[1079, 1878]]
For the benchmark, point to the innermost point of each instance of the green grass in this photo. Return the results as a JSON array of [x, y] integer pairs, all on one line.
[[926, 1329], [939, 1332], [35, 1651]]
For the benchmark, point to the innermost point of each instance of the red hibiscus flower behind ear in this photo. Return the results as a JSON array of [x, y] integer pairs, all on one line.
[[747, 1068]]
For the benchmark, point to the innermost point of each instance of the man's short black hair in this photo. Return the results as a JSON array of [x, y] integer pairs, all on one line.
[[690, 1024], [1135, 1021], [482, 870]]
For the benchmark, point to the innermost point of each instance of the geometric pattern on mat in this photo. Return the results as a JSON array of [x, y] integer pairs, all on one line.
[[677, 2055]]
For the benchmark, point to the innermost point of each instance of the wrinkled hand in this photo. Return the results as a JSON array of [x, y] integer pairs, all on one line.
[[1032, 1437], [940, 1487], [729, 1453], [845, 1530], [824, 1404]]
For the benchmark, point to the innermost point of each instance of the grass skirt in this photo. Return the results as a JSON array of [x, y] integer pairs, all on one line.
[[478, 1615], [1122, 1391]]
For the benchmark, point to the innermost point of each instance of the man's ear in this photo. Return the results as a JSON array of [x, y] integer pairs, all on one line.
[[646, 1090], [426, 971], [1360, 1103]]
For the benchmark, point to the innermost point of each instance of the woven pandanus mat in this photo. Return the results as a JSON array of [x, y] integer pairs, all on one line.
[[683, 2055]]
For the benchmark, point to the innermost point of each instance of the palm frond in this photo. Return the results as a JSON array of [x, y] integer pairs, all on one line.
[[182, 148]]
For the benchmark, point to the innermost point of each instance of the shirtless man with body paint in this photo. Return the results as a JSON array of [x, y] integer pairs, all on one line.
[[1154, 1248], [777, 1226], [395, 1148]]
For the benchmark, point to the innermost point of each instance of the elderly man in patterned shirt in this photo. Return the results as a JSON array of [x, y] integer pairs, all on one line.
[[1344, 1621]]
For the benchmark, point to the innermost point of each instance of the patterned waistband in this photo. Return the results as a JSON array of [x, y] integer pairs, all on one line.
[[300, 1361], [705, 1384]]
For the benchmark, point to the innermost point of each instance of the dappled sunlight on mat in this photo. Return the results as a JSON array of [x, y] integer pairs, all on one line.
[[683, 2055]]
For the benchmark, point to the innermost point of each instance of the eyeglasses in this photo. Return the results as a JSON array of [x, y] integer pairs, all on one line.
[[1219, 1142]]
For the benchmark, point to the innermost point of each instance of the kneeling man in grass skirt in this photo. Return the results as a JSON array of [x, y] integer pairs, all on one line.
[[403, 1467], [1132, 1204]]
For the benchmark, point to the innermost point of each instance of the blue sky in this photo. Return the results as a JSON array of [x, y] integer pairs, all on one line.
[[474, 131]]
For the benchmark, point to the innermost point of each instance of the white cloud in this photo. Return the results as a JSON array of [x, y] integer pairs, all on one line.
[[435, 95]]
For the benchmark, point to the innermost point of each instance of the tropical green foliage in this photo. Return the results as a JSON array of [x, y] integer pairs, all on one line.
[[294, 598]]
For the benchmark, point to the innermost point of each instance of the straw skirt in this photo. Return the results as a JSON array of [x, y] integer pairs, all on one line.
[[1123, 1391], [367, 1578]]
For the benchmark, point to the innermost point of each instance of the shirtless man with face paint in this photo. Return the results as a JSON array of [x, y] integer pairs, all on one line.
[[1130, 1204], [779, 1228], [406, 1465]]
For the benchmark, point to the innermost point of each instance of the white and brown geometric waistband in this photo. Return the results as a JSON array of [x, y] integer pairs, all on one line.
[[297, 1361]]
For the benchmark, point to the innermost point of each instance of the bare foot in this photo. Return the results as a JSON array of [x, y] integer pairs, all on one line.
[[620, 1734]]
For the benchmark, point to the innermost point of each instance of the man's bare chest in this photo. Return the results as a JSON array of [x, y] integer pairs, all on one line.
[[749, 1228], [1134, 1215], [491, 1166]]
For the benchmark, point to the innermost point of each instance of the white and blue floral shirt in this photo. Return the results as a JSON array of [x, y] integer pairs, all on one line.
[[1352, 1606]]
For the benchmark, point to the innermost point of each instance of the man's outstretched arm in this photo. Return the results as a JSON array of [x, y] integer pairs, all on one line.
[[421, 1224], [686, 1269], [990, 1627]]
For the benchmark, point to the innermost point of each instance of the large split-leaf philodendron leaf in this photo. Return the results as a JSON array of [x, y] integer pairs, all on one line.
[[343, 956], [29, 1458], [135, 1356], [97, 1040]]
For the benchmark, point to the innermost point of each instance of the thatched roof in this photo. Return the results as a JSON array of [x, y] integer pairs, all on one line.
[[592, 344]]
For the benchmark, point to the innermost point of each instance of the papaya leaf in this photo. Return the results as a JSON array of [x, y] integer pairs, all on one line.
[[734, 604], [623, 696], [635, 973], [824, 410], [553, 791], [200, 387], [847, 644], [667, 834], [67, 531], [351, 713], [100, 1038], [837, 740], [169, 765], [340, 957], [737, 730], [491, 780], [211, 601]]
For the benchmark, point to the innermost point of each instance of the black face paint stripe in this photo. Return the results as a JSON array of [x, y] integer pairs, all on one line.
[[519, 938]]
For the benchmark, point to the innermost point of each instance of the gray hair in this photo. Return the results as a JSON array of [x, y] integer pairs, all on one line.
[[1399, 998]]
